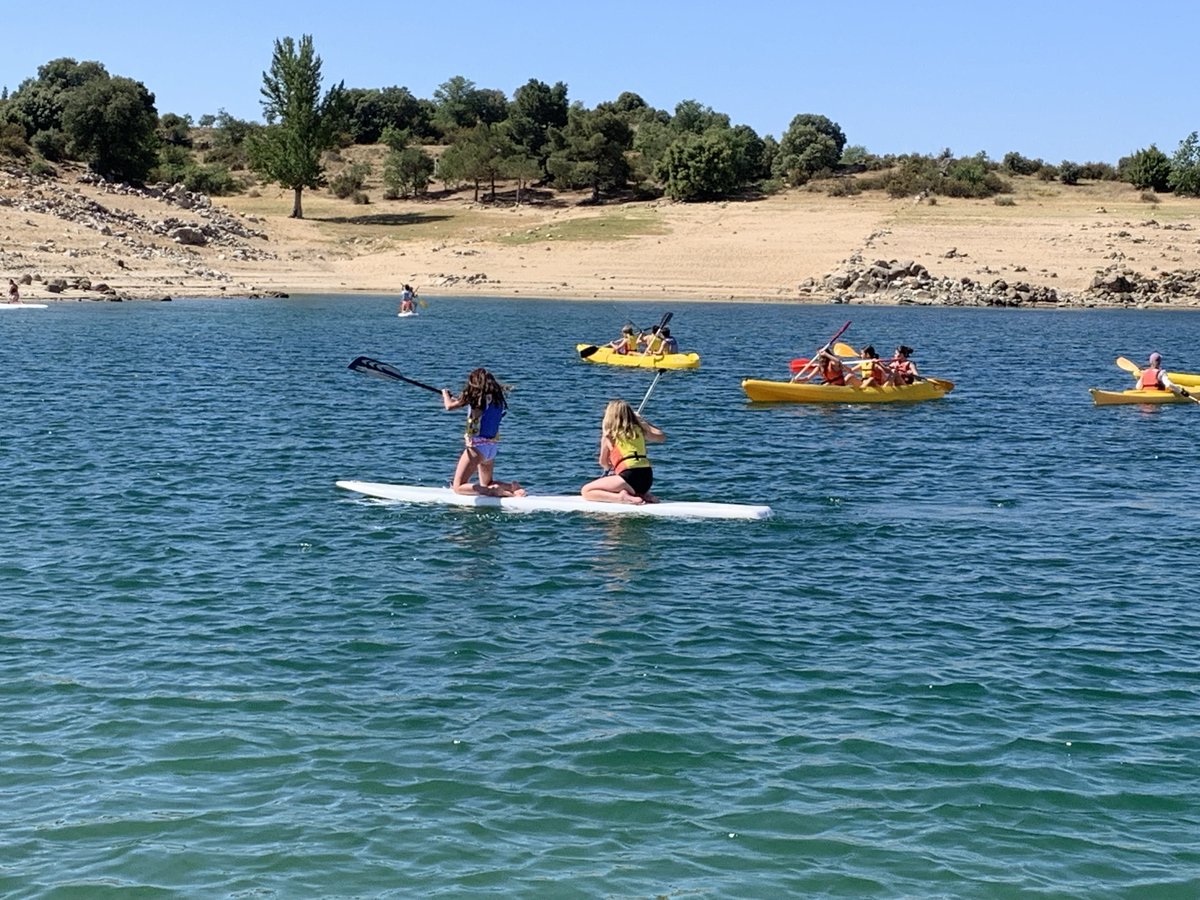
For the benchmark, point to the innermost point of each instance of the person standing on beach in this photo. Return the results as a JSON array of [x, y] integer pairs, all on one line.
[[484, 396], [14, 292]]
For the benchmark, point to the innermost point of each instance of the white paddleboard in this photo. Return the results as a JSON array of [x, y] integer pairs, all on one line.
[[557, 503], [406, 313], [22, 305]]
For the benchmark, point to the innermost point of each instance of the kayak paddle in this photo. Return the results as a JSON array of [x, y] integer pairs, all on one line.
[[642, 405], [369, 366], [1136, 371]]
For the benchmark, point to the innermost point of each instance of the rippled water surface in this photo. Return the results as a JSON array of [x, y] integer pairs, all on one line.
[[961, 660]]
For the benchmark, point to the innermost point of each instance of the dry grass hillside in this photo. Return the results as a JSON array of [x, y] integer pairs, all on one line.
[[77, 233]]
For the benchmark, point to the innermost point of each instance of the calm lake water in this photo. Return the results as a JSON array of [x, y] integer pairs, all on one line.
[[960, 661]]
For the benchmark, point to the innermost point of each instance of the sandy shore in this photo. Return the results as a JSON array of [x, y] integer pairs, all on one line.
[[761, 250]]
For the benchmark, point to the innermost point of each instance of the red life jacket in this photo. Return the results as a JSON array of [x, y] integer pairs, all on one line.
[[1149, 380], [832, 372]]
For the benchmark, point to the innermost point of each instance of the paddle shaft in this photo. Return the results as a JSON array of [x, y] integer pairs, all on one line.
[[379, 369], [649, 390]]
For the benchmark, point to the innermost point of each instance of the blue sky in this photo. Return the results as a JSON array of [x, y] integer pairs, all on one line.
[[1085, 81]]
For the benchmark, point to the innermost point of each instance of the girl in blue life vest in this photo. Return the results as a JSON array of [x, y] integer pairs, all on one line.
[[485, 398], [623, 437]]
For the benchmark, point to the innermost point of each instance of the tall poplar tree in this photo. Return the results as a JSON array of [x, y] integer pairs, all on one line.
[[301, 124]]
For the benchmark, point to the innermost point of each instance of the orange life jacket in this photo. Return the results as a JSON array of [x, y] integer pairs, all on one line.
[[1149, 380], [832, 372]]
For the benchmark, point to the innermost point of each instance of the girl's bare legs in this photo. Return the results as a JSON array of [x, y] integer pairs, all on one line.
[[471, 462], [610, 489]]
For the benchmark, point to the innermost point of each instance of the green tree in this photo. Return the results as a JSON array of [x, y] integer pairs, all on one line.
[[175, 129], [301, 124], [37, 104], [536, 108], [373, 111], [407, 171], [811, 144], [460, 104], [693, 118], [590, 151], [1185, 167], [700, 166], [111, 123], [1147, 169]]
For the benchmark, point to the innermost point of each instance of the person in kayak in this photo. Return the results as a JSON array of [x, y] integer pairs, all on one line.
[[871, 370], [827, 365], [627, 342], [669, 344], [653, 341], [904, 370], [485, 398], [623, 437], [1154, 378]]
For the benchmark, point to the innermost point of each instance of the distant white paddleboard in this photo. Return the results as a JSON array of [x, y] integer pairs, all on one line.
[[22, 305], [406, 313], [552, 503]]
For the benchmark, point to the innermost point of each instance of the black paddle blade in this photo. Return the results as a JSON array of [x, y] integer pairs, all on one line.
[[666, 319], [380, 369], [588, 351]]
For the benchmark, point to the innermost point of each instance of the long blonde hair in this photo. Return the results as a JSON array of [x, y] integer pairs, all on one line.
[[620, 421]]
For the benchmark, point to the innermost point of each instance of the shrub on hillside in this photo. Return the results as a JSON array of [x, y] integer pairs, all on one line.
[[1069, 172], [1098, 171], [50, 143], [1146, 169], [1021, 165], [12, 142], [350, 180]]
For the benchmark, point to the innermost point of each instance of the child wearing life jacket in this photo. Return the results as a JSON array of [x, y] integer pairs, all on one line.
[[485, 398], [623, 437], [407, 296], [871, 370], [653, 340], [904, 370], [627, 342], [669, 344]]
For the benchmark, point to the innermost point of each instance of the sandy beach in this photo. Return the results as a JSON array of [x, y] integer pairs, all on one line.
[[83, 234]]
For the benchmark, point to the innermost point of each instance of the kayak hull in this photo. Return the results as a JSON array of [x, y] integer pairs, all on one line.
[[609, 357], [1136, 396], [552, 503], [22, 305], [801, 392]]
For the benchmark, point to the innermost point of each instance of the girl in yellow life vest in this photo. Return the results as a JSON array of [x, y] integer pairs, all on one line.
[[871, 371], [623, 437], [627, 342], [654, 342]]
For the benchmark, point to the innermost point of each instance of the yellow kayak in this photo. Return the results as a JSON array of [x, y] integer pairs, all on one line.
[[1114, 398], [1183, 379], [608, 356], [804, 392]]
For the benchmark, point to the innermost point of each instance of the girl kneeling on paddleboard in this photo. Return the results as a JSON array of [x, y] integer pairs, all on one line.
[[485, 397], [623, 437]]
